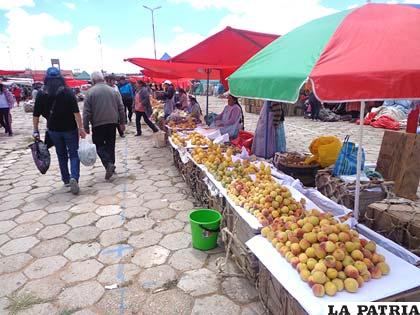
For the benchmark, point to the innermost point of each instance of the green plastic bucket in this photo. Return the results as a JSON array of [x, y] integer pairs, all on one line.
[[205, 225]]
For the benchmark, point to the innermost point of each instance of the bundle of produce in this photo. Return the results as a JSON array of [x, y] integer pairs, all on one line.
[[328, 255]]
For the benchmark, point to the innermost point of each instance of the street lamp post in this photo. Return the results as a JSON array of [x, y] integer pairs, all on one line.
[[153, 24], [102, 56]]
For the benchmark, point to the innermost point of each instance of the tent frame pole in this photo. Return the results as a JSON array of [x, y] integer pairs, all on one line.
[[207, 91], [359, 162]]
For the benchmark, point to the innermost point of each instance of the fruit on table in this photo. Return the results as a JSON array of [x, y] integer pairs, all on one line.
[[198, 139], [178, 139], [335, 266], [185, 124]]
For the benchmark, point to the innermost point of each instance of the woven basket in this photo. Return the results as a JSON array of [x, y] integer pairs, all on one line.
[[398, 220], [342, 193]]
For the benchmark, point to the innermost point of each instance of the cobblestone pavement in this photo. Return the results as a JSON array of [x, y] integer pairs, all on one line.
[[59, 252]]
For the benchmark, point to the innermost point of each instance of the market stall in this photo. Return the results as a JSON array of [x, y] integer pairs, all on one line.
[[259, 260]]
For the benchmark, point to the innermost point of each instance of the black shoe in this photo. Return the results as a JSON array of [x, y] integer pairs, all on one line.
[[137, 135], [122, 136], [74, 186], [110, 169]]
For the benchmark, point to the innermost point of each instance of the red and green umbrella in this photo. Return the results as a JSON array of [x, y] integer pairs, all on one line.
[[368, 53]]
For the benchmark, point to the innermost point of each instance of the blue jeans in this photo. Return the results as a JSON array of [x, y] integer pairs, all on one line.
[[66, 145]]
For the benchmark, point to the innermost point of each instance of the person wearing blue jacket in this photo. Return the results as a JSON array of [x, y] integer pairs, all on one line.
[[127, 94]]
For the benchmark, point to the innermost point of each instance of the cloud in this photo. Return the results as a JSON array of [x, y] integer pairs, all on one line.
[[271, 16], [24, 47], [177, 29], [12, 4], [353, 6], [70, 5]]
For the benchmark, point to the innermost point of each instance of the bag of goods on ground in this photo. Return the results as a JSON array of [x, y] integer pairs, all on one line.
[[324, 150]]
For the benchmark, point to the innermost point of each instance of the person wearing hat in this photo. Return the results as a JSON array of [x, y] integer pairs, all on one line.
[[169, 98], [194, 109], [127, 94], [142, 107], [231, 120], [6, 104], [58, 104]]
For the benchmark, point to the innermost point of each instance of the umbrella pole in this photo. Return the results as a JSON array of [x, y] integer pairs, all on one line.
[[207, 91], [359, 162]]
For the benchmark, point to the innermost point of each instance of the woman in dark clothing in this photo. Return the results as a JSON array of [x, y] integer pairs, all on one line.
[[58, 104], [315, 106]]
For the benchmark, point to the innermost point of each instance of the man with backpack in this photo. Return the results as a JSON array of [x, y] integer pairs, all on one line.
[[127, 94]]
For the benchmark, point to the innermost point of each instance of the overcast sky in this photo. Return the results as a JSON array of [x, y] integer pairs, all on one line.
[[34, 31]]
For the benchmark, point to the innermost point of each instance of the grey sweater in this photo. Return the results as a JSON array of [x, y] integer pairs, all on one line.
[[103, 105]]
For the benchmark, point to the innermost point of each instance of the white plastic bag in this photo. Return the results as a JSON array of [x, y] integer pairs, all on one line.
[[87, 152], [222, 139]]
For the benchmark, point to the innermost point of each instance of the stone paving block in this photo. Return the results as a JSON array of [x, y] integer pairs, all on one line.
[[45, 288], [113, 236], [8, 214], [58, 207], [146, 189], [110, 222], [119, 273], [83, 207], [162, 214], [175, 197], [127, 195], [183, 216], [14, 263], [156, 204], [25, 229], [168, 190], [158, 277], [33, 216], [108, 210], [53, 231], [4, 303], [199, 282], [3, 239], [83, 251], [115, 254], [81, 295], [81, 271], [215, 305], [175, 241], [19, 245], [152, 196], [32, 205], [151, 256], [52, 247], [255, 308], [135, 211], [6, 226], [145, 239], [61, 199], [229, 267], [182, 205], [163, 183], [11, 197], [11, 282], [239, 290], [43, 267], [83, 234], [107, 200], [44, 308], [169, 302], [86, 312], [133, 301], [83, 219], [187, 259], [140, 225], [169, 226], [55, 218]]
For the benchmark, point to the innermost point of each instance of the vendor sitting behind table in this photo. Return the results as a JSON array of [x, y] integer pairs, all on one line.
[[231, 120], [194, 109]]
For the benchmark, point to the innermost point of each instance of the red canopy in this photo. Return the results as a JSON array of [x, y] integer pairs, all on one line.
[[221, 53], [11, 72], [75, 83], [373, 55]]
